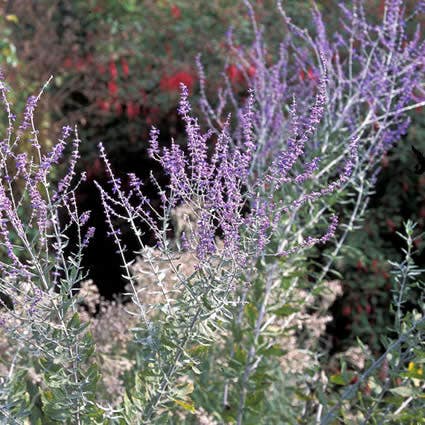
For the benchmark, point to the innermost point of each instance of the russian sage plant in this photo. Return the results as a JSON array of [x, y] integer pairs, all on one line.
[[212, 306], [373, 75], [362, 81], [39, 276], [230, 232]]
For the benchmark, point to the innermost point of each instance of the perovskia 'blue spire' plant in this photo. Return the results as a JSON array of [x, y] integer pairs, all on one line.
[[265, 186], [226, 243], [256, 189], [39, 277], [373, 74]]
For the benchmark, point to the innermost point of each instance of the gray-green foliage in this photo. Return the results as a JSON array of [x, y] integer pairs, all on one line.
[[390, 390]]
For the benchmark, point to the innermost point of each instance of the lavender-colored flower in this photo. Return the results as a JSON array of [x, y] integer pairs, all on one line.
[[84, 218], [29, 113], [153, 142], [65, 182], [259, 190], [21, 163], [220, 187], [89, 235], [28, 205]]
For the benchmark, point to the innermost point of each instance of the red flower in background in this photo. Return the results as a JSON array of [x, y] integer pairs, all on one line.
[[235, 74], [80, 65], [311, 75], [144, 97], [67, 63], [346, 310], [113, 88], [113, 71], [104, 105], [152, 115], [125, 68], [176, 12], [252, 70], [101, 68], [118, 107], [171, 83], [132, 109], [361, 267]]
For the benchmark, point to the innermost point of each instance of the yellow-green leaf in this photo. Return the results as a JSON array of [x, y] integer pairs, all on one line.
[[338, 380], [12, 18], [186, 405]]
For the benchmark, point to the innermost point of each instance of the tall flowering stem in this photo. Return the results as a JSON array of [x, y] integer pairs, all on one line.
[[38, 273]]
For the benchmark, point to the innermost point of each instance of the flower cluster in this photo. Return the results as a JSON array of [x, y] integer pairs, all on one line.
[[34, 218], [361, 82], [373, 74], [212, 178]]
